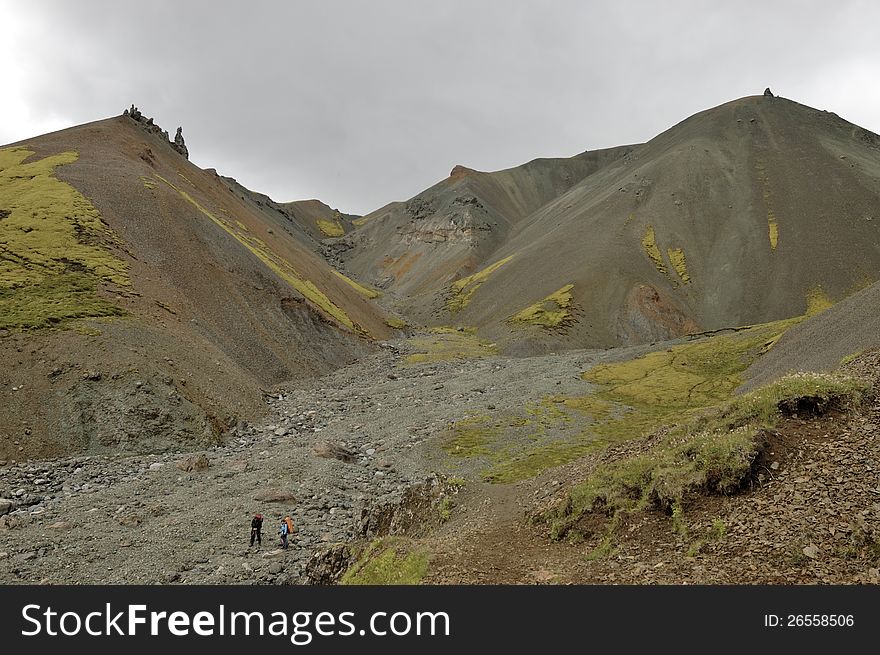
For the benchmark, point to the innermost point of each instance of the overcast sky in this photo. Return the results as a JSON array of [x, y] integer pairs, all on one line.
[[361, 103]]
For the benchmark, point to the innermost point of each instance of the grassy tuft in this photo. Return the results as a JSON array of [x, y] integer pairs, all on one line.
[[710, 453]]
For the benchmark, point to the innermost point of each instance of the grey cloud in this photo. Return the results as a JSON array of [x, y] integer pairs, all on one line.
[[362, 103]]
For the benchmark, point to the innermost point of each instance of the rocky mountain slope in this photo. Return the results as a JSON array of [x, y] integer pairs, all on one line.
[[145, 303], [752, 211], [591, 385]]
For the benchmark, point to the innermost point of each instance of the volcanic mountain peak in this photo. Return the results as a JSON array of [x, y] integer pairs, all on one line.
[[733, 216]]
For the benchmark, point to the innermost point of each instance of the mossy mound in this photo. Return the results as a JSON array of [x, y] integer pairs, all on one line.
[[54, 247], [549, 313]]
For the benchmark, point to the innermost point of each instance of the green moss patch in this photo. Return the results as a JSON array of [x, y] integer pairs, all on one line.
[[817, 301], [649, 243], [463, 290], [631, 399], [332, 227], [772, 229], [679, 264], [54, 247], [387, 561], [52, 302], [451, 345], [549, 313], [395, 323]]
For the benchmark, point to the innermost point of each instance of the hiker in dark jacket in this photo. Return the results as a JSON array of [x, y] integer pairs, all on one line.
[[283, 531], [257, 530]]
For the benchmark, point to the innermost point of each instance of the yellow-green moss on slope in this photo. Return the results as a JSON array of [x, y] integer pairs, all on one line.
[[711, 452], [677, 259], [331, 228], [278, 264], [395, 323], [772, 229], [444, 345], [649, 243], [551, 312], [54, 248], [366, 292], [637, 396], [817, 301], [387, 561], [464, 289]]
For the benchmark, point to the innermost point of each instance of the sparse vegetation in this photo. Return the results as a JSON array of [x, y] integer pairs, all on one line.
[[637, 396], [279, 265], [463, 290], [444, 509], [366, 292], [386, 561], [710, 453], [449, 344], [551, 312]]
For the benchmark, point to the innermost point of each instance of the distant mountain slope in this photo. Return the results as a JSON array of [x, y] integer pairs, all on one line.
[[319, 219], [741, 214], [156, 281], [450, 229], [821, 342]]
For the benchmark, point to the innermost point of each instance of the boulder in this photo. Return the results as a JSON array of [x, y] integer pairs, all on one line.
[[194, 463], [6, 506], [274, 496], [331, 450], [768, 93]]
